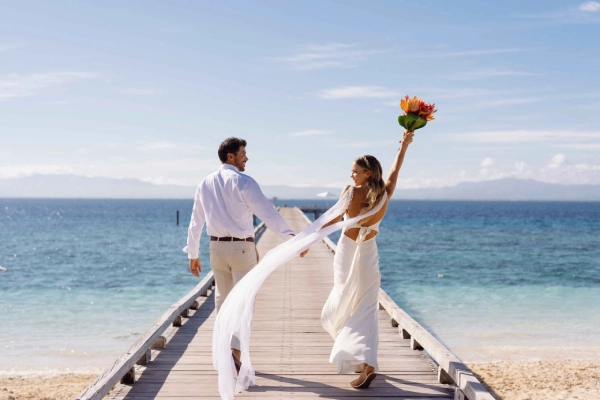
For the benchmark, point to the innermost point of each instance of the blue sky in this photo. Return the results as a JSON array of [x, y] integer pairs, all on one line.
[[148, 89]]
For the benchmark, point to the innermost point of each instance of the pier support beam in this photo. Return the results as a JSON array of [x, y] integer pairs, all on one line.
[[415, 345], [444, 378], [145, 359], [129, 377], [459, 395], [159, 343], [404, 333]]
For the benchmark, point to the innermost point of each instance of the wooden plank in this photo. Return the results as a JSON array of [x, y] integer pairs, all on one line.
[[289, 348]]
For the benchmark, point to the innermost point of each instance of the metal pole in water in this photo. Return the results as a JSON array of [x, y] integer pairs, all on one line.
[[177, 214]]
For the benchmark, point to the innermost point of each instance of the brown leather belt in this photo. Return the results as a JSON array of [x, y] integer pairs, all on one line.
[[230, 239]]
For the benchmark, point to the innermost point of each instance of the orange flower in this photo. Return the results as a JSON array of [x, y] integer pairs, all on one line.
[[417, 107]]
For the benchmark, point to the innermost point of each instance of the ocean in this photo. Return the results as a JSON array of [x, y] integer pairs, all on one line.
[[493, 281]]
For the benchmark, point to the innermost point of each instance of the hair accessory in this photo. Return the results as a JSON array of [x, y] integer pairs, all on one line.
[[366, 161]]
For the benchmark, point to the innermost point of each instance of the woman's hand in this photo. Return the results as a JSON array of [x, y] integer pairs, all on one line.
[[407, 138]]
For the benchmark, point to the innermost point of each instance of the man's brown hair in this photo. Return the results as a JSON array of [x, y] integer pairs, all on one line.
[[230, 145]]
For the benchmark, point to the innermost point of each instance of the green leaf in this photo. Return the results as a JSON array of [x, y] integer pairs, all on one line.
[[402, 121], [414, 121]]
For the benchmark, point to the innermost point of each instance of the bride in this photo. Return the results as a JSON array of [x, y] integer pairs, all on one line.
[[350, 313]]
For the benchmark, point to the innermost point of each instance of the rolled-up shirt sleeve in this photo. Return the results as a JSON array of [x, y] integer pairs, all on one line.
[[195, 229], [264, 209]]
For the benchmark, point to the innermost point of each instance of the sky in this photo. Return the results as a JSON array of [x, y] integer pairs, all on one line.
[[149, 89]]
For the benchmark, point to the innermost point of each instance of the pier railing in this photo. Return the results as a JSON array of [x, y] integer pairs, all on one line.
[[123, 369], [451, 370]]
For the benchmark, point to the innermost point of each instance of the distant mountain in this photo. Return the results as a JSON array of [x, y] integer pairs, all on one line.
[[69, 186], [505, 189]]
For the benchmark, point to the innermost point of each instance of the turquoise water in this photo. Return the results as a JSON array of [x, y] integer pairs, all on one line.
[[492, 280]]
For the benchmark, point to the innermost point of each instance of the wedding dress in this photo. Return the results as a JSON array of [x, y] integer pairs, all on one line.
[[350, 313], [235, 316]]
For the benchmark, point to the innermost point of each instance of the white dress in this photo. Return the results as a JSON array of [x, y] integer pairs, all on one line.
[[234, 319], [350, 313]]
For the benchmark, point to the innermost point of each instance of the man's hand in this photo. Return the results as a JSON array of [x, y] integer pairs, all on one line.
[[195, 267]]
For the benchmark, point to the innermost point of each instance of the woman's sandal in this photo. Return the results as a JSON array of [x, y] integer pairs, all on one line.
[[366, 383], [236, 362]]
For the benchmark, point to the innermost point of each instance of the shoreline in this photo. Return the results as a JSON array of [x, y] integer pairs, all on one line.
[[507, 380]]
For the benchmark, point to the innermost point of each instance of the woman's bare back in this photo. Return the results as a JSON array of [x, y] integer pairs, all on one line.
[[355, 207]]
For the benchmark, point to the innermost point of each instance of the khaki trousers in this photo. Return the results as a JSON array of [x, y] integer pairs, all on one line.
[[230, 262]]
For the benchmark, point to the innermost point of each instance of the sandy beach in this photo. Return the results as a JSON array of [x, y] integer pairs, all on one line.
[[59, 387], [538, 380], [542, 380]]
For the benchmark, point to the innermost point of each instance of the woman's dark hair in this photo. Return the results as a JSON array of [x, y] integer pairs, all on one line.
[[375, 184], [230, 145]]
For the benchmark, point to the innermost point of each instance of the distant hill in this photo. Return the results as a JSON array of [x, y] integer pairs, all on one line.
[[70, 186]]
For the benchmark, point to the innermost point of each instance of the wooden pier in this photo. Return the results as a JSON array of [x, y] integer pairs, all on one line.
[[290, 350]]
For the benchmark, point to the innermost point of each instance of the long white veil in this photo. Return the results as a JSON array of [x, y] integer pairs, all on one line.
[[235, 316]]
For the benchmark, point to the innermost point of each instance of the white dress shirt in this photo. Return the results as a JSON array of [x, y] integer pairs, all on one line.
[[225, 201]]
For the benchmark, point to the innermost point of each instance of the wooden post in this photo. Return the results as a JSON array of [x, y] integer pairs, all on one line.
[[415, 345], [177, 216], [159, 343], [185, 313], [444, 378], [177, 321], [145, 359], [459, 395], [404, 333], [129, 377], [195, 305]]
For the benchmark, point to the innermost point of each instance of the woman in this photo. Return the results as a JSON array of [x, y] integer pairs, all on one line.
[[350, 313], [352, 307]]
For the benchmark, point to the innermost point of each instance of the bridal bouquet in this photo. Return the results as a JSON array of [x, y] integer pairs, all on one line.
[[416, 113]]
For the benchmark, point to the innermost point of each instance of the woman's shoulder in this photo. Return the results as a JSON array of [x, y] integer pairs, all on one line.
[[345, 190]]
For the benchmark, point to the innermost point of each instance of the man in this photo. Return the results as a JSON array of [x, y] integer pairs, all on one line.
[[225, 201]]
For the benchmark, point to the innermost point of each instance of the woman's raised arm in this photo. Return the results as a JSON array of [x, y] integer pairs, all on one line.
[[390, 183]]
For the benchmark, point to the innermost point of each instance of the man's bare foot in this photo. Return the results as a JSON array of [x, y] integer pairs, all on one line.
[[365, 378]]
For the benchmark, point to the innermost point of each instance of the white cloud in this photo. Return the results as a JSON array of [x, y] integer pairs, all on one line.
[[589, 6], [332, 55], [525, 136], [370, 144], [487, 162], [19, 85], [160, 145], [20, 171], [141, 91], [166, 145], [464, 53], [520, 166], [583, 14], [311, 132], [358, 92], [557, 161], [486, 73]]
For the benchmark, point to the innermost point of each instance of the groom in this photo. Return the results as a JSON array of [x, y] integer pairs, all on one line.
[[225, 200]]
